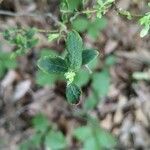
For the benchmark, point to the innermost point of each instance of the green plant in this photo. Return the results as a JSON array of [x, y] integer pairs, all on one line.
[[69, 66], [100, 83], [6, 63], [99, 9], [145, 22], [45, 133], [83, 18], [46, 79], [93, 137], [68, 7], [102, 7], [82, 24], [22, 39], [82, 78]]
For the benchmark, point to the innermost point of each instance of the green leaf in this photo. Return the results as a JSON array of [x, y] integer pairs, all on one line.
[[110, 60], [91, 144], [96, 26], [42, 78], [82, 78], [94, 137], [88, 55], [52, 65], [90, 102], [36, 141], [20, 40], [2, 69], [80, 24], [73, 4], [6, 62], [144, 31], [55, 140], [106, 140], [99, 24], [26, 145], [81, 133], [30, 32], [33, 142], [53, 36], [48, 52], [40, 123], [94, 63], [45, 79], [73, 93], [31, 43], [101, 82], [145, 22], [23, 40], [74, 48]]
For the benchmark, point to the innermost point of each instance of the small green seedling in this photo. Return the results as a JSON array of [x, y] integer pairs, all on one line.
[[45, 134], [93, 28], [102, 7], [22, 39], [69, 66], [93, 137], [6, 63]]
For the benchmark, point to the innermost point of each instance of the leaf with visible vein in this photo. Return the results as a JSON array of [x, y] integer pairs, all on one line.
[[74, 47], [73, 93], [52, 65], [88, 55]]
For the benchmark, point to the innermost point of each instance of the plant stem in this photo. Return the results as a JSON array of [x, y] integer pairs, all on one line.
[[120, 12], [23, 14]]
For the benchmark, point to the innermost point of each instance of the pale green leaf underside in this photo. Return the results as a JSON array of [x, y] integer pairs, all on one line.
[[144, 31]]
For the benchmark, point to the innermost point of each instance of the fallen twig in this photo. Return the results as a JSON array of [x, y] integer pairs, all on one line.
[[23, 14]]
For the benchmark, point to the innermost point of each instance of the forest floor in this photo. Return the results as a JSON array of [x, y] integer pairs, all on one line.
[[125, 111]]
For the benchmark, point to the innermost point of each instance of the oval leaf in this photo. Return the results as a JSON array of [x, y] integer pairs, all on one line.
[[55, 140], [73, 93], [144, 31], [52, 65], [88, 55], [74, 47]]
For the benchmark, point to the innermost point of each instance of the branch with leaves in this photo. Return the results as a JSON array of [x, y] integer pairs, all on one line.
[[77, 55], [99, 9], [102, 7], [75, 58]]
